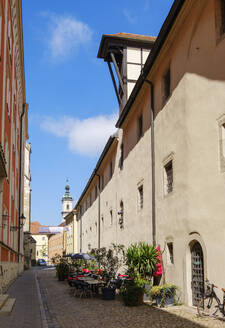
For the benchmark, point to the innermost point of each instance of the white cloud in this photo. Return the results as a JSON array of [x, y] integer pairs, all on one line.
[[86, 137], [66, 35], [130, 17], [146, 5]]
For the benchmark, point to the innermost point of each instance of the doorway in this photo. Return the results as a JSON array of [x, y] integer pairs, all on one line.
[[197, 273]]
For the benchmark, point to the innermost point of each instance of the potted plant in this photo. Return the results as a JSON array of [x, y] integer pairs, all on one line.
[[109, 260], [133, 292], [164, 295], [62, 269], [141, 260]]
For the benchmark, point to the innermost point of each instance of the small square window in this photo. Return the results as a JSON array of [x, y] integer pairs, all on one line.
[[170, 258], [166, 85], [168, 177]]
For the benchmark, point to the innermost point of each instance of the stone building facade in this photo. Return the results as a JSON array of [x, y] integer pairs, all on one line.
[[71, 233], [28, 241], [153, 181], [13, 135]]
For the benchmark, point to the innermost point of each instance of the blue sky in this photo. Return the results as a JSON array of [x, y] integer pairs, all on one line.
[[72, 104]]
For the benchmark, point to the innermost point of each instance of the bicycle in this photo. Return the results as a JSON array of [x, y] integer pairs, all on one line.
[[210, 304]]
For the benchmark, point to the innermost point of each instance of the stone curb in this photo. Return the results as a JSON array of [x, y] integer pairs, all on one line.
[[43, 316]]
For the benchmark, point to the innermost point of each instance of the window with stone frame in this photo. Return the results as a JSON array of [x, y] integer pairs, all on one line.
[[166, 84], [168, 177], [170, 256], [140, 197], [121, 215]]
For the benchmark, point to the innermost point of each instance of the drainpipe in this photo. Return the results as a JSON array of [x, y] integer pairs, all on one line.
[[20, 178], [152, 161], [80, 231], [99, 211]]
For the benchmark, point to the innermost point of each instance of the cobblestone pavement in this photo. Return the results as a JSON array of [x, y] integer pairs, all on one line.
[[72, 312], [26, 312]]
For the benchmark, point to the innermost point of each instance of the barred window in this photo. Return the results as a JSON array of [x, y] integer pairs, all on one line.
[[168, 177], [121, 215], [170, 258], [141, 197]]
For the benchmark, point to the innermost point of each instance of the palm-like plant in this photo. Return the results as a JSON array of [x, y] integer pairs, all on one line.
[[141, 259]]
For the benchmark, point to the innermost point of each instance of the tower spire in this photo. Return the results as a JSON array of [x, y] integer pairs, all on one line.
[[67, 201]]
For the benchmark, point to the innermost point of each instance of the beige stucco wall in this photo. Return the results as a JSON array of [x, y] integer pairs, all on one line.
[[71, 233], [187, 129], [55, 245]]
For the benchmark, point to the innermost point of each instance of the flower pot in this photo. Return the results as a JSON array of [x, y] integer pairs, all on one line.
[[108, 293], [169, 300], [133, 296], [61, 276], [146, 296]]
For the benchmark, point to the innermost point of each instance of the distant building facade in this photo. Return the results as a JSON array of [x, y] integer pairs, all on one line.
[[71, 233], [56, 244], [27, 207], [13, 135], [41, 242]]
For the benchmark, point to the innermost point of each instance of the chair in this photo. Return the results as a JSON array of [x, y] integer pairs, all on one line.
[[85, 290], [77, 288]]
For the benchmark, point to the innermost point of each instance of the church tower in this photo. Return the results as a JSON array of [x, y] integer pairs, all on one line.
[[67, 202]]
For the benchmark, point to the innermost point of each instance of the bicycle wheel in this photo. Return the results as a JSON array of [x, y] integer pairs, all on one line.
[[208, 306]]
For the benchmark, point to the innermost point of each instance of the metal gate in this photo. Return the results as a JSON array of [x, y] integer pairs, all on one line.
[[197, 269]]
